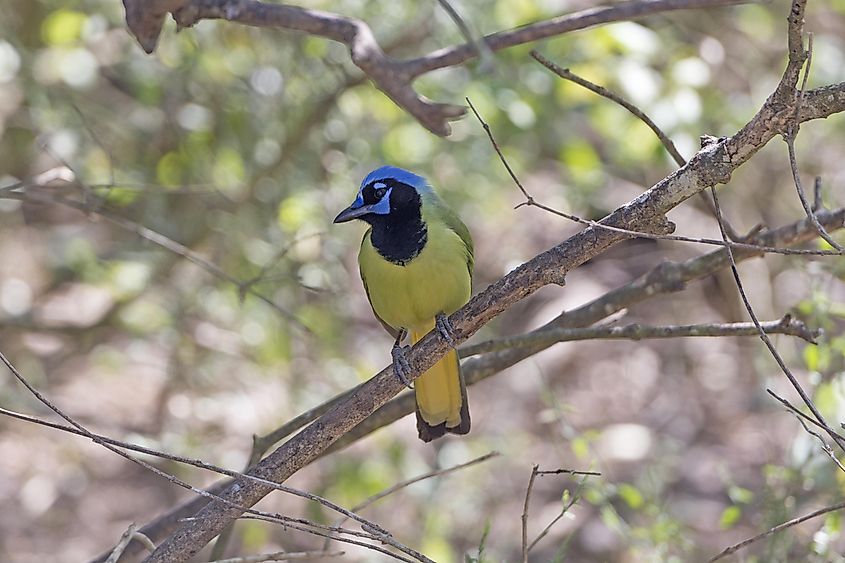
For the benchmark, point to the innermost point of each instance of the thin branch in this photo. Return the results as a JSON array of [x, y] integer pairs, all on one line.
[[323, 534], [797, 412], [281, 556], [482, 50], [436, 473], [130, 534], [403, 484], [817, 195], [736, 547], [804, 420], [526, 547], [787, 325], [245, 286], [664, 139], [789, 137], [566, 74], [525, 513], [367, 524], [568, 472], [37, 193], [825, 447], [564, 511], [566, 23]]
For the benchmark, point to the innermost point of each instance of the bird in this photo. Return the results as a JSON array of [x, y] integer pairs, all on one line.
[[416, 262]]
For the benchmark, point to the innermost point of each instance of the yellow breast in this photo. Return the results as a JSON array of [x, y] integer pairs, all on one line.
[[436, 281]]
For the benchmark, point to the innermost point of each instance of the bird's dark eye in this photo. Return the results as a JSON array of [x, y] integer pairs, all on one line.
[[380, 193]]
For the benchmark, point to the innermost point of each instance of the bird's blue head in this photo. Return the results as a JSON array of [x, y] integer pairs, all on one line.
[[386, 191]]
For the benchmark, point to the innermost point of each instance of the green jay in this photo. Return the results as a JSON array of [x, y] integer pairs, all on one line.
[[416, 264]]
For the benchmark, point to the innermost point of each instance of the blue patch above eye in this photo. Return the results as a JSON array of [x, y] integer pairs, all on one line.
[[359, 202], [383, 205]]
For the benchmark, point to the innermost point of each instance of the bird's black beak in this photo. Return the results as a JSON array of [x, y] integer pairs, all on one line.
[[352, 212]]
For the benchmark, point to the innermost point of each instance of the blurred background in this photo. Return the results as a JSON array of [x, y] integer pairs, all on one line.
[[242, 144]]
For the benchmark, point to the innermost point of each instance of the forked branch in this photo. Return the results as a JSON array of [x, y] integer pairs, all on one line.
[[393, 77]]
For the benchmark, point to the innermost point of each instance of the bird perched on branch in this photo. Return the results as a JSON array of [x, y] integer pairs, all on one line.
[[416, 264]]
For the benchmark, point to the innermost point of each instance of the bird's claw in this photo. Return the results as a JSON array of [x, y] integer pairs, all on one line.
[[444, 328], [401, 365]]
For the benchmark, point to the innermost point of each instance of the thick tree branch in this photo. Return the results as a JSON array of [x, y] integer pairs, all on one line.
[[712, 165], [393, 77]]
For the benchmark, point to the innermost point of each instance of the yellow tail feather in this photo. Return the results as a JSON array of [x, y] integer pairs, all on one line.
[[439, 390]]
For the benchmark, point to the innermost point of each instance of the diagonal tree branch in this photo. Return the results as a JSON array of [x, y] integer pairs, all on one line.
[[393, 77]]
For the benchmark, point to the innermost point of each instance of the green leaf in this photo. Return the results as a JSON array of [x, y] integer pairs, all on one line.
[[730, 516], [740, 495], [631, 495], [62, 27]]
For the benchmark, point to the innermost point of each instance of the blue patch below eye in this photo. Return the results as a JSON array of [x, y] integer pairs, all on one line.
[[383, 205]]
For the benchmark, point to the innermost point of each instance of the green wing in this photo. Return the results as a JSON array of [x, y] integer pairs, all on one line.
[[451, 220]]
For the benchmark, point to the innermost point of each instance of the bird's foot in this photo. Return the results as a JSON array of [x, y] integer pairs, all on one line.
[[401, 365], [444, 328]]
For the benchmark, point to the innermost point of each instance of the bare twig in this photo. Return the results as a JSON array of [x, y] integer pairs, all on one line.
[[664, 139], [818, 204], [403, 484], [366, 524], [436, 473], [281, 556], [130, 534], [736, 547], [326, 533], [789, 137], [482, 50], [525, 513], [38, 194], [804, 420], [245, 286], [535, 471], [825, 447], [566, 74], [787, 325], [797, 412], [568, 472], [564, 510]]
